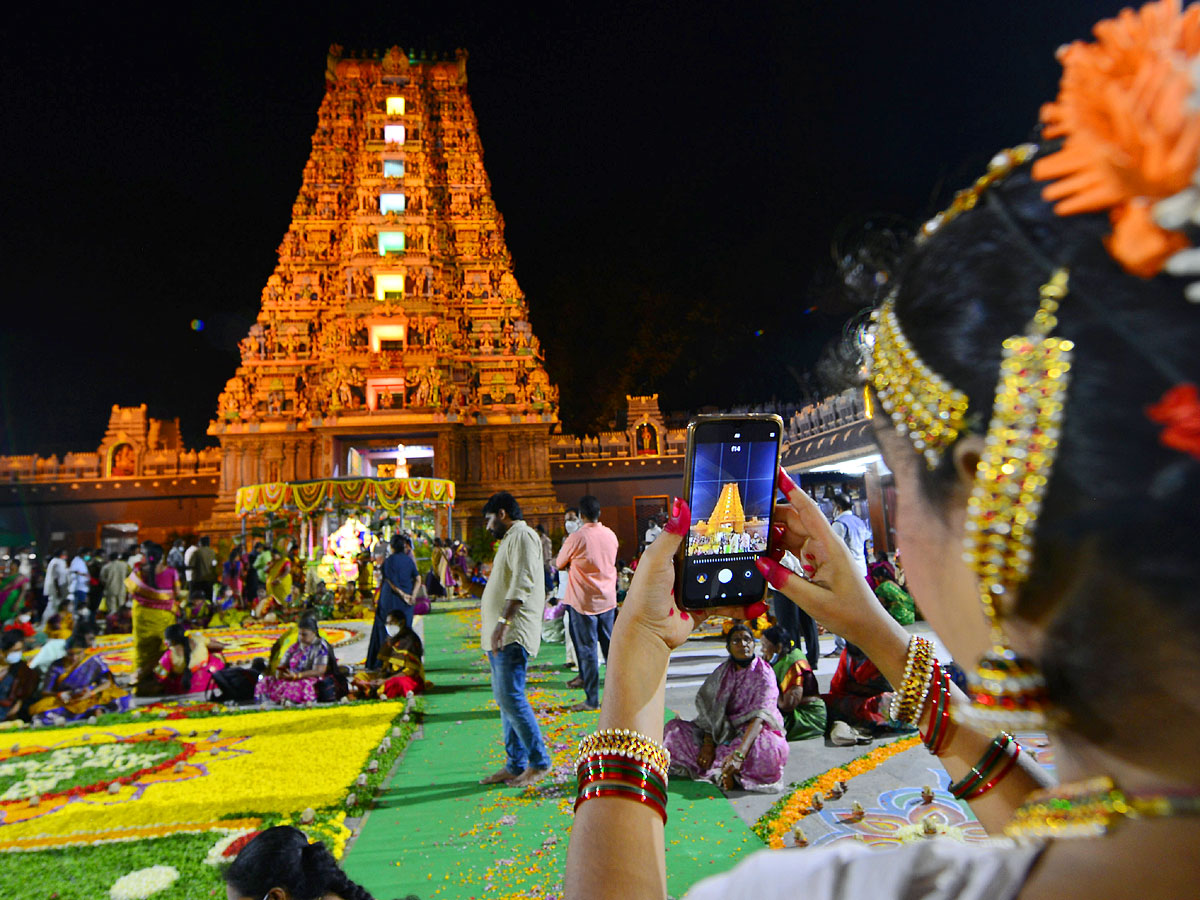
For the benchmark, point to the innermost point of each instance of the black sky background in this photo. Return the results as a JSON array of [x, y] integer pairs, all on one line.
[[672, 177]]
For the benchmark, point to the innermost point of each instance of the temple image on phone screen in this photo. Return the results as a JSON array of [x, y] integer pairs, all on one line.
[[732, 491]]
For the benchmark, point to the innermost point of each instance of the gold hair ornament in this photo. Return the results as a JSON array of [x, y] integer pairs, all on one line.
[[921, 403], [1007, 690]]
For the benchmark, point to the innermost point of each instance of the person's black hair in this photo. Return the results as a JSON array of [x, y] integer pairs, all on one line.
[[503, 500], [1112, 554], [112, 557], [842, 502], [397, 543], [781, 638], [204, 541], [282, 857], [573, 509], [589, 508], [152, 555], [79, 635], [10, 639], [739, 627], [309, 623], [177, 634]]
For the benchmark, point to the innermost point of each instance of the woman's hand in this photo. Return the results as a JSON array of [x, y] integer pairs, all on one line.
[[832, 591], [650, 605]]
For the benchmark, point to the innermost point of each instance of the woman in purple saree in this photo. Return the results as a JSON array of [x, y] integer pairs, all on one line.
[[78, 686], [737, 737]]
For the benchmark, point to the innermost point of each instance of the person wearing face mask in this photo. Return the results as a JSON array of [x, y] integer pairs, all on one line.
[[280, 864], [737, 737], [571, 524], [399, 578], [401, 670], [78, 685], [18, 682]]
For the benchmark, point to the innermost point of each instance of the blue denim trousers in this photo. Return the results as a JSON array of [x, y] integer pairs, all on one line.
[[522, 737], [585, 629]]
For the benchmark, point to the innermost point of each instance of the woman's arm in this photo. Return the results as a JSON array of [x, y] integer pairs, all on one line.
[[734, 765], [839, 599], [611, 828], [791, 698]]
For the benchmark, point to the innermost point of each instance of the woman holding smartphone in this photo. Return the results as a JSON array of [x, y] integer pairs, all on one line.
[[1034, 371]]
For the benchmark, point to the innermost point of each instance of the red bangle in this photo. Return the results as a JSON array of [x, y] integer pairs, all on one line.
[[935, 697], [642, 797], [1012, 761]]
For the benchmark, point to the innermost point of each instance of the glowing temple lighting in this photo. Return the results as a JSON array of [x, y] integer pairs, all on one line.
[[393, 134], [391, 242], [389, 286], [395, 106], [391, 203]]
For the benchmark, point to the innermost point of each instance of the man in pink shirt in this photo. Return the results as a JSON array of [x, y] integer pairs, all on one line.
[[589, 557]]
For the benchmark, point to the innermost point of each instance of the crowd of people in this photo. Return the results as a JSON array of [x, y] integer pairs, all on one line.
[[170, 599]]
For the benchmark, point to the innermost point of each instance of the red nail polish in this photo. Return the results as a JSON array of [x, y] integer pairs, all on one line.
[[785, 482], [809, 569], [775, 574], [755, 610], [670, 612], [681, 518], [683, 616]]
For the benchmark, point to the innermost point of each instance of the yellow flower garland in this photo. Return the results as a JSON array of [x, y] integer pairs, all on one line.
[[799, 804], [255, 763]]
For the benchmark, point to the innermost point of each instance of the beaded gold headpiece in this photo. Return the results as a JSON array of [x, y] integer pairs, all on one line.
[[921, 403]]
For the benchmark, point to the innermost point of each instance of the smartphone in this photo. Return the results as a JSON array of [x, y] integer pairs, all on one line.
[[730, 484]]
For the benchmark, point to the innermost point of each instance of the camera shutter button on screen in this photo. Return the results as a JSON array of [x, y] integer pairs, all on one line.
[[725, 576]]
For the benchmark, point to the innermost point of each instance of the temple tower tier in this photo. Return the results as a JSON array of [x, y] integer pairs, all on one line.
[[392, 334]]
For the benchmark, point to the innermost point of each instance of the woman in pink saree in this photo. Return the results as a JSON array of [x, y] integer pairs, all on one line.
[[304, 664], [737, 737]]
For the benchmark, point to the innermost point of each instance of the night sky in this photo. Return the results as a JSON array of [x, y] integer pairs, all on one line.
[[673, 179]]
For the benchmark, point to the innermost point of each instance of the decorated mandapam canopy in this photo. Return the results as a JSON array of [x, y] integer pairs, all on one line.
[[308, 496]]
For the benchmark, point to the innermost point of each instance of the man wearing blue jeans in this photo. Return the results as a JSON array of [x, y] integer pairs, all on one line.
[[589, 557], [511, 632]]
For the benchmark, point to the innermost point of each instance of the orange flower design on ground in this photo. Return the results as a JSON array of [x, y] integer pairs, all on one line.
[[1130, 129]]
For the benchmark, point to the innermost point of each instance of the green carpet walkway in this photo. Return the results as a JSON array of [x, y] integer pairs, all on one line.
[[436, 833]]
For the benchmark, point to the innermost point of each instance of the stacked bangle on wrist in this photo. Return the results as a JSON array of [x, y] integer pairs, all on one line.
[[616, 762], [939, 721], [909, 701], [501, 621], [997, 761]]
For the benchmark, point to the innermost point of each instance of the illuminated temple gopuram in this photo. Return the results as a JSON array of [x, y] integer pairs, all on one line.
[[392, 340], [393, 335]]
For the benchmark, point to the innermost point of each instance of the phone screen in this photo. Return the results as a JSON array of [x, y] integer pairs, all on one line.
[[731, 489]]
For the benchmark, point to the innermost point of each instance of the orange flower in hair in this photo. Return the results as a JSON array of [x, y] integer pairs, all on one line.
[[1128, 115], [1179, 410]]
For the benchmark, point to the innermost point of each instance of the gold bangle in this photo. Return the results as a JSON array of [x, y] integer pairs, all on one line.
[[623, 742], [909, 701]]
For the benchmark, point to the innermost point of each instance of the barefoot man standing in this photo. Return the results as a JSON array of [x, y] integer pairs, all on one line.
[[511, 632]]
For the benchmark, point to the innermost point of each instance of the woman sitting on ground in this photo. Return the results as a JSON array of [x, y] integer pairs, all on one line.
[[188, 663], [18, 682], [402, 672], [895, 599], [280, 864], [303, 664], [737, 737], [860, 696], [799, 695], [79, 685]]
